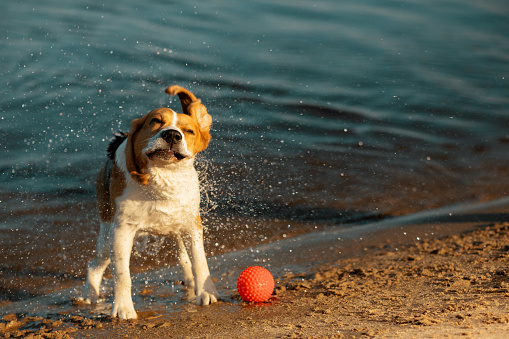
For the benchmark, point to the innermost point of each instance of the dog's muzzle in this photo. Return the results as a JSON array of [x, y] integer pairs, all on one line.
[[170, 143]]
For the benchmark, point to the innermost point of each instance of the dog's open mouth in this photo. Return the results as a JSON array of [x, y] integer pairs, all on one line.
[[165, 154]]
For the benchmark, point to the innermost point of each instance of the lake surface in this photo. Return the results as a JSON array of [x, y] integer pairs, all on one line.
[[325, 112]]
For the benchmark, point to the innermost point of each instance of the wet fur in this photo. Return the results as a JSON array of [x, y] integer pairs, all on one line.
[[139, 190]]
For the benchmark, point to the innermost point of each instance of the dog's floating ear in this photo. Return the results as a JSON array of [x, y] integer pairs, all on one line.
[[192, 107], [198, 111], [135, 165], [185, 96]]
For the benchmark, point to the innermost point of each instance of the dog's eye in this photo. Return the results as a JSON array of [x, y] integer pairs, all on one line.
[[189, 131], [156, 121]]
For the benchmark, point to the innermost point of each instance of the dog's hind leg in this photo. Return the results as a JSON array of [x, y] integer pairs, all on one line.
[[185, 263], [97, 266]]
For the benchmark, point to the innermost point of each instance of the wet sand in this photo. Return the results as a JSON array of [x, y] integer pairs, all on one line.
[[426, 276]]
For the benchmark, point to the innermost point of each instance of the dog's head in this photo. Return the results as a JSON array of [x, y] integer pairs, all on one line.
[[163, 137]]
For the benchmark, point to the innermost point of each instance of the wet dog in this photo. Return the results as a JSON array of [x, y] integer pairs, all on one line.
[[149, 184]]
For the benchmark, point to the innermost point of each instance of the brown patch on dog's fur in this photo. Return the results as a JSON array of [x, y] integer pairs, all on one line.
[[136, 165], [107, 192], [193, 107]]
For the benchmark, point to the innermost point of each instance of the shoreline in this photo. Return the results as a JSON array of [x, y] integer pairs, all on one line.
[[439, 275]]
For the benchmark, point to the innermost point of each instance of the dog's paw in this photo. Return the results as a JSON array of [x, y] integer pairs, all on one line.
[[208, 294], [204, 298], [123, 310], [90, 295]]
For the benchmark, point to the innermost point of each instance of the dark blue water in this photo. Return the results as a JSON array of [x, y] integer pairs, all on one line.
[[324, 112]]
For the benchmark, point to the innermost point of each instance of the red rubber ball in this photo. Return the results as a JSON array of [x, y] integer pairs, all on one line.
[[255, 284]]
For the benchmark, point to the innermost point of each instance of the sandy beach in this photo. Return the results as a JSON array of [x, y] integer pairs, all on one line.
[[443, 282]]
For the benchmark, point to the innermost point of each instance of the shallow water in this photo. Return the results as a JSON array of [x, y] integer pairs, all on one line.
[[324, 113]]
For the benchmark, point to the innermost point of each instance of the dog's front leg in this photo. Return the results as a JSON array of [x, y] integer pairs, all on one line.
[[206, 292], [122, 244]]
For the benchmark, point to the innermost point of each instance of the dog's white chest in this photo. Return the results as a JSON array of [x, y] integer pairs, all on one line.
[[170, 202]]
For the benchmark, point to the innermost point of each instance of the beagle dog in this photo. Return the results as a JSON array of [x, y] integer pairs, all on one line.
[[149, 184]]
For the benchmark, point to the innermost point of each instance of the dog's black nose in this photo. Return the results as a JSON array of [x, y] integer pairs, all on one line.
[[171, 136]]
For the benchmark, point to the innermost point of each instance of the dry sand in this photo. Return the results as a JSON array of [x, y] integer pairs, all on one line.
[[452, 286]]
